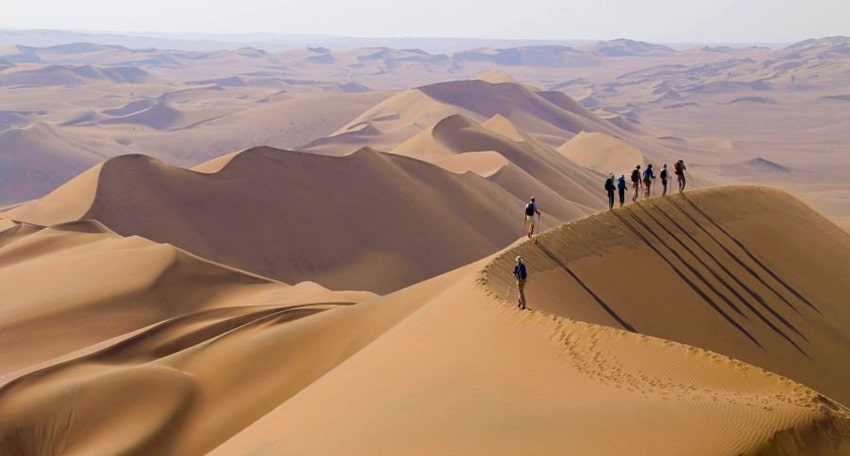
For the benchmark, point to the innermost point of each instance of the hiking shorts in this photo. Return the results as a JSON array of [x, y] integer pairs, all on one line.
[[529, 219]]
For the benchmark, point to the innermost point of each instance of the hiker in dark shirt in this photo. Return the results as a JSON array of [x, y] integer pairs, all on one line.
[[610, 187], [635, 182]]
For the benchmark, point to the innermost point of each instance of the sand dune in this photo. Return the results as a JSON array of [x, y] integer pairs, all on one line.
[[471, 368], [602, 153], [703, 269], [39, 157], [539, 163], [97, 276], [271, 212], [447, 365], [551, 116]]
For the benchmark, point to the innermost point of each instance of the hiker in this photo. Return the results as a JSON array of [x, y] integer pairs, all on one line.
[[610, 187], [663, 176], [679, 168], [648, 175], [621, 189], [636, 182], [521, 274], [530, 211]]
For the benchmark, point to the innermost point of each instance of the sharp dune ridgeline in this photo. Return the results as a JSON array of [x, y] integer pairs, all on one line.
[[706, 269]]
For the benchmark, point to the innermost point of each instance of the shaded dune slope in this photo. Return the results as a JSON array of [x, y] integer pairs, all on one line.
[[748, 272], [366, 221]]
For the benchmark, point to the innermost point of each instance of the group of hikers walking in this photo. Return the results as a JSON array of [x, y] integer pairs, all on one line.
[[643, 181], [640, 181]]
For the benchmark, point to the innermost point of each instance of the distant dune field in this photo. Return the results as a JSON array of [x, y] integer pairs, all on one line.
[[310, 251]]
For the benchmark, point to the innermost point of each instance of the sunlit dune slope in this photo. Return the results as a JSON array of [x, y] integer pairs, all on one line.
[[69, 286], [603, 153], [748, 272], [465, 374]]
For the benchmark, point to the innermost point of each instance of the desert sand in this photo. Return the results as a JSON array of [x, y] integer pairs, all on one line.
[[310, 251], [450, 365]]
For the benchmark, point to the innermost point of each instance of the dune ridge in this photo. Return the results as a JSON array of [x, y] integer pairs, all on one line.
[[446, 364], [700, 269]]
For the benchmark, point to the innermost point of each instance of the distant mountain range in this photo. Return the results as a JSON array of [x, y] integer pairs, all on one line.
[[278, 42]]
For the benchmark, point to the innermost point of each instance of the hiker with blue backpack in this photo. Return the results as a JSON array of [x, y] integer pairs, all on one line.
[[648, 176], [521, 275], [610, 187], [530, 211]]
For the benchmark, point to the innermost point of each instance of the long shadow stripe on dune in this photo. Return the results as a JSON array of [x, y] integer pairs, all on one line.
[[599, 300], [735, 257], [690, 267], [696, 257], [688, 281], [752, 257], [755, 295], [738, 295]]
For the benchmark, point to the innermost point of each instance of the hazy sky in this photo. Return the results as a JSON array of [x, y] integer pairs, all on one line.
[[650, 20]]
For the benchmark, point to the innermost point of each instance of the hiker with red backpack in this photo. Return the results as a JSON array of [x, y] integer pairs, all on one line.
[[530, 211], [679, 168]]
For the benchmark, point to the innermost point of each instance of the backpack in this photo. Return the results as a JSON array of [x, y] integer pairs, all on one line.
[[635, 176], [678, 167], [609, 184], [530, 209], [519, 272], [647, 175], [663, 174]]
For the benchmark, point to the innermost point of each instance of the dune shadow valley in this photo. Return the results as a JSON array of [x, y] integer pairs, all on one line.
[[295, 249]]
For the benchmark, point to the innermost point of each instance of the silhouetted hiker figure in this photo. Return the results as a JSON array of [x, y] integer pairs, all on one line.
[[648, 175], [679, 168], [530, 211], [621, 189], [610, 187], [636, 182], [663, 176], [521, 274]]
